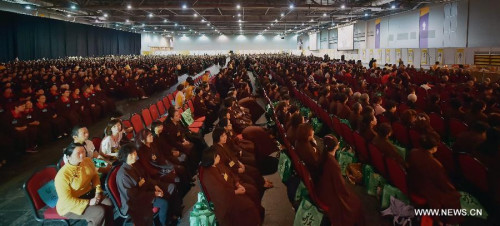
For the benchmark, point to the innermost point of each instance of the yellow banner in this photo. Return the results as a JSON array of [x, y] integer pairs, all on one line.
[[363, 54], [371, 54], [460, 56], [399, 56], [411, 55], [388, 56], [424, 11], [440, 56], [424, 56], [379, 55]]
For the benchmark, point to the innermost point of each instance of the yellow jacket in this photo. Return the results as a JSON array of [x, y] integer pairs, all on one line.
[[71, 182]]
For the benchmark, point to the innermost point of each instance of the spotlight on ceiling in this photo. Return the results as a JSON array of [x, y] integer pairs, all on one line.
[[291, 6], [184, 6], [129, 7], [195, 15], [324, 14], [203, 20], [165, 20], [73, 7], [238, 6], [176, 24], [239, 21], [312, 20], [276, 20], [143, 25], [342, 7], [127, 21], [69, 15], [239, 14], [105, 15], [393, 6], [27, 7], [282, 14], [150, 15]]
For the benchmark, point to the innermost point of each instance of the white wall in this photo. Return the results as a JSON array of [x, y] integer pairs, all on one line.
[[235, 43], [154, 40]]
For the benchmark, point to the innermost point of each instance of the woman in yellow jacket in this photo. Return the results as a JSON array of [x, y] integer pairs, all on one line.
[[79, 191]]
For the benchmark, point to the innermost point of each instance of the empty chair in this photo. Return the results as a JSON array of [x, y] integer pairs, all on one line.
[[146, 116], [377, 159], [154, 112], [137, 122]]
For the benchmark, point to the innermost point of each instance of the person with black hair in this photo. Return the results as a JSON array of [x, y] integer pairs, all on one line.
[[16, 125], [344, 206], [201, 109], [470, 140], [180, 137], [235, 203], [65, 109], [112, 140], [307, 148], [59, 126], [169, 152], [382, 142], [79, 191], [428, 179], [391, 113], [139, 193]]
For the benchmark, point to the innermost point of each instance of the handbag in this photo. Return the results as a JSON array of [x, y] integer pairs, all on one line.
[[307, 214], [284, 167], [187, 118]]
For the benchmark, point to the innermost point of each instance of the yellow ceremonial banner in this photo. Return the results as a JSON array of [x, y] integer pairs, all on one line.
[[411, 55], [363, 54], [424, 56], [460, 56], [184, 52], [424, 11], [440, 56], [379, 55], [145, 53], [371, 54], [398, 55], [388, 56], [377, 21]]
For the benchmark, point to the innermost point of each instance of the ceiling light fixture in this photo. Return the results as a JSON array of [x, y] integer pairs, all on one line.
[[393, 6], [312, 20], [27, 7], [129, 7], [195, 15], [176, 24], [239, 21], [291, 6], [150, 15], [276, 20], [324, 14], [73, 7], [282, 14], [366, 14], [203, 20], [208, 24], [69, 15], [164, 20], [105, 15], [238, 6], [127, 21], [342, 6], [184, 6], [239, 14]]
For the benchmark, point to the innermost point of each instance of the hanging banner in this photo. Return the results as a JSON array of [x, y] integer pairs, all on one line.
[[377, 33], [440, 56], [460, 56], [424, 57], [388, 56], [399, 56], [424, 26], [363, 54], [410, 56], [371, 54], [379, 55]]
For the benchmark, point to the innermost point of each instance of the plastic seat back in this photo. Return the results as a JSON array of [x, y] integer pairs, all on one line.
[[136, 122], [377, 159], [474, 171]]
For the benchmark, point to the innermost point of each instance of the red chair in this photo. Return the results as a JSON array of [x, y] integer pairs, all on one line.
[[191, 107], [127, 124], [474, 171], [445, 156], [397, 176], [137, 122], [309, 184], [166, 103], [377, 159], [347, 134], [400, 132], [171, 98], [457, 127], [336, 125], [97, 143], [415, 138], [114, 194], [146, 116], [31, 187], [361, 148], [437, 123], [154, 112], [202, 185], [161, 107]]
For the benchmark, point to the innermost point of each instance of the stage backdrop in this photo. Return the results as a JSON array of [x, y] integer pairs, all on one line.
[[30, 37]]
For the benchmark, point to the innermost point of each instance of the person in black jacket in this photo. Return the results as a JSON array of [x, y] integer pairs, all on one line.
[[138, 192]]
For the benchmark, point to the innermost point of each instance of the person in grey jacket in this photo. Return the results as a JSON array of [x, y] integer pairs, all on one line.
[[138, 192]]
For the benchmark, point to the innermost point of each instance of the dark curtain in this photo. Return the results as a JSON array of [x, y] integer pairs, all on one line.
[[29, 37]]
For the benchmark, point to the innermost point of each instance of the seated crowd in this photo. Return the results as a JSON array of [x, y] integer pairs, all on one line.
[[157, 166], [371, 100], [42, 100]]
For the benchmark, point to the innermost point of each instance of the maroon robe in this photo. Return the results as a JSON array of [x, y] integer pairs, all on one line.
[[344, 207]]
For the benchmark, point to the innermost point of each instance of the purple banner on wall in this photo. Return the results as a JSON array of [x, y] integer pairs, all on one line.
[[424, 27], [377, 34]]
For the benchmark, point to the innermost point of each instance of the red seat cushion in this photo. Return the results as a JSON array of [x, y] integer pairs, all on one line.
[[51, 213], [200, 119], [419, 201], [194, 130], [196, 125]]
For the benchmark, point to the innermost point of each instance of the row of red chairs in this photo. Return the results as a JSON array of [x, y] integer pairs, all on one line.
[[156, 111]]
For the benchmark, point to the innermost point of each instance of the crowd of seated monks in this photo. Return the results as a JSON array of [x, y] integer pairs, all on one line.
[[42, 100], [372, 100], [157, 166]]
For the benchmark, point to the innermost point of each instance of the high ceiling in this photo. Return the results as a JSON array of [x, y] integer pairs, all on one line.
[[219, 16]]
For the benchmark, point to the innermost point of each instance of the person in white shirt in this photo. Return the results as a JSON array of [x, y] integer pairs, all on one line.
[[80, 135], [111, 142]]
